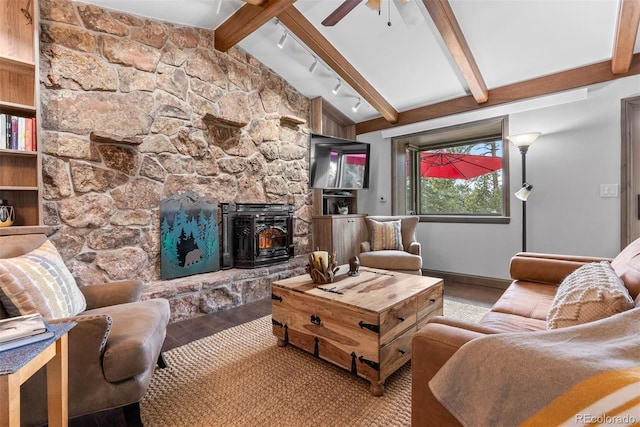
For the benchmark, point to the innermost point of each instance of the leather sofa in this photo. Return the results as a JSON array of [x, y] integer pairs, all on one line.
[[113, 349], [522, 308]]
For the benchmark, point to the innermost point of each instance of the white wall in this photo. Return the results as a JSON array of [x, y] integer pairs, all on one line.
[[578, 151]]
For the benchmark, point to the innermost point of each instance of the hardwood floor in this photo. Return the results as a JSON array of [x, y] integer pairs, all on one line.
[[181, 333]]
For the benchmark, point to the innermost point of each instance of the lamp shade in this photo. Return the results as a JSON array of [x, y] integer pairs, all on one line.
[[524, 139], [523, 193]]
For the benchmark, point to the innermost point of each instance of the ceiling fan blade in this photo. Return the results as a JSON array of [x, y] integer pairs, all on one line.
[[340, 12]]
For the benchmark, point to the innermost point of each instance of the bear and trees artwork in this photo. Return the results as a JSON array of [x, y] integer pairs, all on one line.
[[190, 243]]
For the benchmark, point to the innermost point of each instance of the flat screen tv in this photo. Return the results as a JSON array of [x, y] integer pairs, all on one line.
[[336, 163]]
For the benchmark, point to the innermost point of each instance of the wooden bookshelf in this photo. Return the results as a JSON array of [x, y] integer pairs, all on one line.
[[20, 171]]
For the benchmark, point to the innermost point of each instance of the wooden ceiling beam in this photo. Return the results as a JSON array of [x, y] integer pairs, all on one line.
[[314, 40], [626, 32], [246, 20], [571, 79], [255, 2], [447, 24]]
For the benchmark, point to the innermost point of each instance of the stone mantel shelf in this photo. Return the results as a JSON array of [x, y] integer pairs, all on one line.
[[223, 121], [293, 120], [114, 139]]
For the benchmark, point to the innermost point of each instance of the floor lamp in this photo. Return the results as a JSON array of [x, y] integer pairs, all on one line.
[[523, 141]]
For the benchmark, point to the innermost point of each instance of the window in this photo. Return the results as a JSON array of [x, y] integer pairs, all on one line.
[[455, 174]]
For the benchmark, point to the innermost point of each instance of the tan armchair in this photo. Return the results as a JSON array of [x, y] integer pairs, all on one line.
[[405, 258], [113, 349]]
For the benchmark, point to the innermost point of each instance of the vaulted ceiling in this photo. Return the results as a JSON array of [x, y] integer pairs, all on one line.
[[413, 60]]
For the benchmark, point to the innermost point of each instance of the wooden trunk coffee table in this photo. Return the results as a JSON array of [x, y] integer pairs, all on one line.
[[364, 324]]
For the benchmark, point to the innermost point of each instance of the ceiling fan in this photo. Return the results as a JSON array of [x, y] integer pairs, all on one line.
[[410, 17]]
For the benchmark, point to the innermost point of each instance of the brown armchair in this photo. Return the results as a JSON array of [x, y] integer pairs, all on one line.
[[406, 258], [113, 349]]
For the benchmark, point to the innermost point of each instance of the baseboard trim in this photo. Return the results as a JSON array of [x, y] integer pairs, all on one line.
[[467, 279]]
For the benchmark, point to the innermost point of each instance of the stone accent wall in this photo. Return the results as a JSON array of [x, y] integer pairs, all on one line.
[[134, 111]]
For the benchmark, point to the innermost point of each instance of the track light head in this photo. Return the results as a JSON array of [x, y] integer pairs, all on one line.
[[282, 41], [337, 88], [313, 66], [356, 107]]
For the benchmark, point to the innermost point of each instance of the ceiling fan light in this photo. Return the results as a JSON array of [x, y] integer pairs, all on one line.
[[282, 41], [357, 105], [337, 88], [313, 66]]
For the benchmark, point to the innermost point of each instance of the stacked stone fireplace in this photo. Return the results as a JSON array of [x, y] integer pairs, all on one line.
[[256, 234], [220, 124]]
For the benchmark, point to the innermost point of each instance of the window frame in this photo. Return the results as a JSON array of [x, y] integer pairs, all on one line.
[[474, 132]]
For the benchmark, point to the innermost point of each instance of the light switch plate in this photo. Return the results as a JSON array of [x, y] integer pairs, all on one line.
[[609, 190]]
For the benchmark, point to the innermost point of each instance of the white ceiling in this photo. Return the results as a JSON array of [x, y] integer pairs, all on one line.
[[511, 41]]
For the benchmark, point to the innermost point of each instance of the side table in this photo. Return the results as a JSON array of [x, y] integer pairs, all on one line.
[[19, 364]]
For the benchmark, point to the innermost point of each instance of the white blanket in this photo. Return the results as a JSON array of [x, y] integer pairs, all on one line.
[[572, 376]]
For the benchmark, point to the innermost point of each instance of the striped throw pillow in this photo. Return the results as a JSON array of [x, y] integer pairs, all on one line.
[[385, 235], [39, 282]]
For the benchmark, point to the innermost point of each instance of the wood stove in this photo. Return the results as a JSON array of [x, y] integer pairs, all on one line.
[[256, 234]]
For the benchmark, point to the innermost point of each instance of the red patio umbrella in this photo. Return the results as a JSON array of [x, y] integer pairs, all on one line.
[[351, 159], [441, 164]]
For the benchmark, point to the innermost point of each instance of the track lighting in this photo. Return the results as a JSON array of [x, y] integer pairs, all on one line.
[[313, 66], [356, 107], [337, 88], [282, 41], [316, 61]]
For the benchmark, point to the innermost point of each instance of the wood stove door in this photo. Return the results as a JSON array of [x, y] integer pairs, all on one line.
[[271, 236]]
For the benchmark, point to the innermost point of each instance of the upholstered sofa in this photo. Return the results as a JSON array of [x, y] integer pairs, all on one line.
[[392, 249], [115, 345], [521, 315]]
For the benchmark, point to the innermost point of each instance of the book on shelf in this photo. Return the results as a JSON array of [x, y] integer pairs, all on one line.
[[22, 125], [28, 134], [22, 330], [17, 133], [14, 133], [3, 131]]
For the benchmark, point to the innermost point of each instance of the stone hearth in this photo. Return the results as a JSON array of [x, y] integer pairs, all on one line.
[[207, 293]]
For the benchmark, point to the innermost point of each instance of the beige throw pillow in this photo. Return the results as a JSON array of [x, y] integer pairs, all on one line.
[[39, 282], [385, 235], [591, 292]]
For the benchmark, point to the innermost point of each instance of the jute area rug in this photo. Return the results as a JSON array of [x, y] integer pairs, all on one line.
[[240, 377]]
